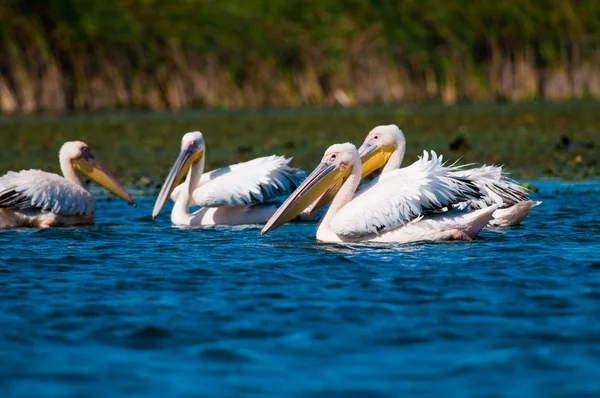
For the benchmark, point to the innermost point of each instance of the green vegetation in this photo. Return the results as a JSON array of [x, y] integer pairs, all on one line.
[[141, 148], [60, 55]]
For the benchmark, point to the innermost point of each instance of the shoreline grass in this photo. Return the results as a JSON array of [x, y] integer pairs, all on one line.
[[140, 147]]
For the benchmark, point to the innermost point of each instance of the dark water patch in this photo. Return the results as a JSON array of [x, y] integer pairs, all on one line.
[[200, 272], [63, 268], [286, 309], [590, 393], [132, 337], [558, 303], [77, 260], [96, 310], [274, 296], [402, 339], [594, 295], [404, 280], [337, 285], [16, 261], [345, 393], [103, 247], [494, 360], [253, 333], [150, 332], [227, 355], [546, 363], [556, 337], [64, 377]]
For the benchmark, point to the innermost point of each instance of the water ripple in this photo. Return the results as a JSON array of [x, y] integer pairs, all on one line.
[[135, 307]]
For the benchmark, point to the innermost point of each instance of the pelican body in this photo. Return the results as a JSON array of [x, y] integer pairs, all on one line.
[[386, 145], [409, 206], [243, 193], [35, 198]]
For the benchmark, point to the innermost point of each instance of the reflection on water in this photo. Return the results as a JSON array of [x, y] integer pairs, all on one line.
[[133, 307]]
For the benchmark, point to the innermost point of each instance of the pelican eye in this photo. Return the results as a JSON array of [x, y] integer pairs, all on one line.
[[85, 153], [376, 137]]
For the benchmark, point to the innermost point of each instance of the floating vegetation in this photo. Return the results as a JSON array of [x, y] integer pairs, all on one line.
[[140, 147]]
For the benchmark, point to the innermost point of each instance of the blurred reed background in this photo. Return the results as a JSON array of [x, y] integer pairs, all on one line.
[[74, 55]]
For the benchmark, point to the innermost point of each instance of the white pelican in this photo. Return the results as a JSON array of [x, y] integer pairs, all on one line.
[[242, 193], [402, 209], [34, 198], [386, 147]]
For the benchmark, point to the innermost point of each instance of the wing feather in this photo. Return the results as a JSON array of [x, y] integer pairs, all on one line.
[[495, 187], [36, 189], [256, 181], [402, 196]]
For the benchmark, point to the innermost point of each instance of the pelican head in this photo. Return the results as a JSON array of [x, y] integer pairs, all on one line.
[[376, 150], [378, 147], [192, 152], [334, 168], [80, 157]]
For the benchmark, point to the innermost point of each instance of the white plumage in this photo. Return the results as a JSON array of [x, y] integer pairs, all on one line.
[[402, 196], [405, 206], [496, 188], [256, 181], [242, 193], [35, 198], [36, 189]]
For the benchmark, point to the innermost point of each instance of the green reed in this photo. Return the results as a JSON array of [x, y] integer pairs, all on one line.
[[63, 55], [141, 147]]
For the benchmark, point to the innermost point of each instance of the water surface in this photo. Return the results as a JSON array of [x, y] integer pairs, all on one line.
[[131, 307]]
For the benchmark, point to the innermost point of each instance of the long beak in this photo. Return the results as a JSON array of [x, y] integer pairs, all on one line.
[[323, 200], [315, 185], [186, 158], [89, 166], [373, 157]]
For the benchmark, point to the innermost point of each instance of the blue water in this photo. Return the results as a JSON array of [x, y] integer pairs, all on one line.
[[136, 308]]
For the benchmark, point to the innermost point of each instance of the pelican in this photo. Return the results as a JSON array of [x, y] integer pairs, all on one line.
[[243, 193], [405, 207], [386, 147], [35, 198]]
